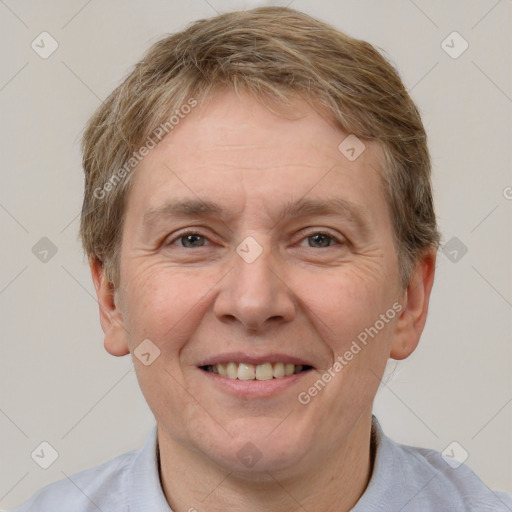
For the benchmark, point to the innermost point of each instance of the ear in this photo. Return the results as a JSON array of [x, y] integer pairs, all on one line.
[[111, 318], [412, 319]]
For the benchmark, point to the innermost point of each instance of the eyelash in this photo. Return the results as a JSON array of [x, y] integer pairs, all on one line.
[[308, 235]]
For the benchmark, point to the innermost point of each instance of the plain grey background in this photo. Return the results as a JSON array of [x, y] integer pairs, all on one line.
[[59, 385]]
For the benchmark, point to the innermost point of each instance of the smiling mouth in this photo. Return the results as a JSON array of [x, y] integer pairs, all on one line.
[[246, 371]]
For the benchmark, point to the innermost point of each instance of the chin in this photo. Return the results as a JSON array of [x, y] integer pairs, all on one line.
[[259, 450]]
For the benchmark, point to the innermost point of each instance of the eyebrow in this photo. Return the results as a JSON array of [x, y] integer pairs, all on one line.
[[203, 208]]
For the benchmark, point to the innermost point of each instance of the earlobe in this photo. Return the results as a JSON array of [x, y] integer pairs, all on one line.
[[111, 318], [412, 319]]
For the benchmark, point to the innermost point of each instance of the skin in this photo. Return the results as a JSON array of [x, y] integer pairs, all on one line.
[[305, 296]]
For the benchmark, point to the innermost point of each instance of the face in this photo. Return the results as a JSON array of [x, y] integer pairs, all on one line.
[[251, 238]]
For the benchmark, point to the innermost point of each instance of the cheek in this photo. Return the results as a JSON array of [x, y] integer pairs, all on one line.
[[359, 341], [165, 304], [345, 302], [148, 308]]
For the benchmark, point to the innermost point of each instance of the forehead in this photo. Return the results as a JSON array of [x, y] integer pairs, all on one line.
[[233, 146], [240, 125]]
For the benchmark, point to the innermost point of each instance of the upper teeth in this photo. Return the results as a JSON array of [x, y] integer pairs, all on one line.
[[245, 371]]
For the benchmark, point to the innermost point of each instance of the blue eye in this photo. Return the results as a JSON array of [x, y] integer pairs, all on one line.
[[321, 240], [193, 239], [190, 240]]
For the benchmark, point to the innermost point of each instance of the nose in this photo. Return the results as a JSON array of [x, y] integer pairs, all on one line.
[[255, 293]]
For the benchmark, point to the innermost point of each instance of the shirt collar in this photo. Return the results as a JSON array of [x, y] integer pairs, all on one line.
[[387, 483], [145, 490], [394, 481]]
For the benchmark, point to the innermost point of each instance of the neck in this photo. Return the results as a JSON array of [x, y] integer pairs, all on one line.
[[192, 482]]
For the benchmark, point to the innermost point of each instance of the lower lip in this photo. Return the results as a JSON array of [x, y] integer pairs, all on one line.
[[255, 388]]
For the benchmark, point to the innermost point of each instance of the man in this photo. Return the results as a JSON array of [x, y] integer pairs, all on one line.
[[260, 228]]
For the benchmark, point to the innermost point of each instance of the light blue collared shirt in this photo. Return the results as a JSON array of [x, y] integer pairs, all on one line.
[[404, 479]]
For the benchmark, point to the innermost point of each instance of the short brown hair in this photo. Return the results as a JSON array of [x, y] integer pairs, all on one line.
[[273, 53]]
